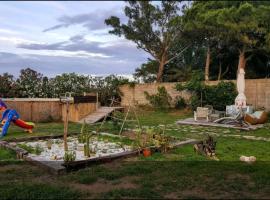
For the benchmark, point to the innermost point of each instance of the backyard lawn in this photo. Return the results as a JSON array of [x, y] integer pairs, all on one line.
[[179, 173]]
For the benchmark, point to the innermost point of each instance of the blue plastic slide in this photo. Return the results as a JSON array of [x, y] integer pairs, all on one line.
[[7, 117]]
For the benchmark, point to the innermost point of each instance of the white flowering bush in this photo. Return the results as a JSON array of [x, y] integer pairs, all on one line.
[[32, 84]]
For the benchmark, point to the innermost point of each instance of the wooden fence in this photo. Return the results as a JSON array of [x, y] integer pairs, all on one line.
[[46, 109]]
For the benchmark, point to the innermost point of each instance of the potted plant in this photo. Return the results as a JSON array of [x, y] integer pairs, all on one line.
[[161, 141], [146, 152], [145, 142]]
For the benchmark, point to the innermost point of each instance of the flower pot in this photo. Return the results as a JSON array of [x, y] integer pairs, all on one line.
[[146, 152]]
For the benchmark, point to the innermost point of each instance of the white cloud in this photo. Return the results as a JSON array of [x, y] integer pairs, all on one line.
[[8, 31], [77, 54], [16, 40]]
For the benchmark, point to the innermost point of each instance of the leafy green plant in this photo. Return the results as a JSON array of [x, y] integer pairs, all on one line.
[[85, 137], [218, 95], [38, 149], [180, 103], [81, 138], [194, 102], [161, 140], [161, 100], [70, 156], [86, 146], [138, 142], [26, 147], [33, 150]]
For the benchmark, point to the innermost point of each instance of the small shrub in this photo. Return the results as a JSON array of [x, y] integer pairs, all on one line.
[[180, 103], [27, 148], [69, 156], [38, 149], [161, 100], [194, 102], [34, 150]]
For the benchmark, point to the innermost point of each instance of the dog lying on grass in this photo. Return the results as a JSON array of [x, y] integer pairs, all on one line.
[[206, 147]]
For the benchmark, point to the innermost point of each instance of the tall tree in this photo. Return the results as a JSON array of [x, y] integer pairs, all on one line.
[[201, 30], [147, 73], [153, 28], [241, 24]]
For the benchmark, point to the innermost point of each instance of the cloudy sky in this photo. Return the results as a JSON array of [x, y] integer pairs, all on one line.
[[55, 37]]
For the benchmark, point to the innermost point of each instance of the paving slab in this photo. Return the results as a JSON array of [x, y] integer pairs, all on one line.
[[191, 121]]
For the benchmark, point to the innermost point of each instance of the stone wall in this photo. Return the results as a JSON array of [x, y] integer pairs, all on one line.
[[257, 92]]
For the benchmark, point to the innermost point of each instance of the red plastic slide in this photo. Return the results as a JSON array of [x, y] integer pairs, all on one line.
[[23, 124]]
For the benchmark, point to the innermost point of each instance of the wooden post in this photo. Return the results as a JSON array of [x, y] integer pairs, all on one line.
[[66, 126], [31, 109], [124, 121], [97, 102]]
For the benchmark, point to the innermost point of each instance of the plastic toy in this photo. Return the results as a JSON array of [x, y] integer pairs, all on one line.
[[10, 115]]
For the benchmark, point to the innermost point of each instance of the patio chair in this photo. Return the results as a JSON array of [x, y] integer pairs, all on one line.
[[201, 112]]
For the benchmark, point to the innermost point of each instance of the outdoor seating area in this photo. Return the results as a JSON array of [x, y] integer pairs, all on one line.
[[206, 116]]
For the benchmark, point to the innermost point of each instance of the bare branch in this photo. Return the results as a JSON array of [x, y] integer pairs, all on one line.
[[177, 54]]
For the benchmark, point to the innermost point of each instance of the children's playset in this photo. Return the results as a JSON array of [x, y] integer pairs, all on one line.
[[11, 116]]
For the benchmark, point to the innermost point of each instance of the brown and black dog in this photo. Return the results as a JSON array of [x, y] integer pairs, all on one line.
[[206, 147]]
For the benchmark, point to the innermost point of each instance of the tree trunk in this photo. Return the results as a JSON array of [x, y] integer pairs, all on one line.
[[161, 68], [207, 65], [219, 71], [242, 60], [220, 75]]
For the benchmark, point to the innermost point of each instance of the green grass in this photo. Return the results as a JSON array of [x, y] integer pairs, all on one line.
[[179, 173], [154, 118], [41, 129], [36, 191], [7, 155]]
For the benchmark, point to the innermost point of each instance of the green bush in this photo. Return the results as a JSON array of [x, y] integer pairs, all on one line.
[[194, 102], [220, 95], [161, 100], [180, 103]]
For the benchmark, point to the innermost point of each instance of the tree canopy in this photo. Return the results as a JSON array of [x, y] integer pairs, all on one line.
[[240, 25], [154, 28]]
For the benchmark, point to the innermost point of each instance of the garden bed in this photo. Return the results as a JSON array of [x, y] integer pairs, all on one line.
[[38, 151], [48, 151]]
